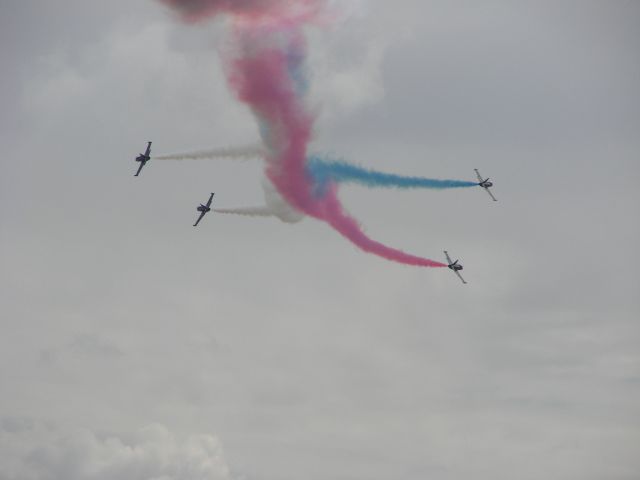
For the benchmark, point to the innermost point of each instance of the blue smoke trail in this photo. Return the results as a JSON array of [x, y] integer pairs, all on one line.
[[324, 170]]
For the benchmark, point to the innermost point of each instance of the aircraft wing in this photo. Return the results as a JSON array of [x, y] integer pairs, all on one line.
[[460, 276], [139, 169], [448, 257], [210, 199], [480, 179], [199, 218], [148, 149], [490, 194]]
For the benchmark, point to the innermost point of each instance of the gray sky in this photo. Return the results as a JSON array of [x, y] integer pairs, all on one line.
[[133, 345]]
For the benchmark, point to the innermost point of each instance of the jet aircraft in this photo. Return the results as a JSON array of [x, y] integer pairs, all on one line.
[[454, 266], [485, 183], [143, 158], [203, 209]]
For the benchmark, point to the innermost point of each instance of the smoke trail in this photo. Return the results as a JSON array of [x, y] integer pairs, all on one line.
[[349, 228], [247, 211], [263, 82], [275, 206], [325, 170], [266, 70], [239, 153]]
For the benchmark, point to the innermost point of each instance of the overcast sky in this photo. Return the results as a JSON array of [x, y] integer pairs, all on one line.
[[135, 346]]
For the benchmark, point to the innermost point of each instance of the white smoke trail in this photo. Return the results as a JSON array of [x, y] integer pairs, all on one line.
[[247, 211], [236, 153], [275, 206]]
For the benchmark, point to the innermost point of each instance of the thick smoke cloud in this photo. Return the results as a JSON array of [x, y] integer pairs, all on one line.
[[34, 451], [266, 69]]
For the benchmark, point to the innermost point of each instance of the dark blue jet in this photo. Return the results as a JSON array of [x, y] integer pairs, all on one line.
[[455, 266], [143, 158], [485, 183], [203, 209]]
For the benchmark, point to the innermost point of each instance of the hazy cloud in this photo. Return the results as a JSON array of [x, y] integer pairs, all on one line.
[[32, 450]]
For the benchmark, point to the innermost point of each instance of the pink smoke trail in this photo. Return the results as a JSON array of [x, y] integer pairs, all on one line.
[[265, 72]]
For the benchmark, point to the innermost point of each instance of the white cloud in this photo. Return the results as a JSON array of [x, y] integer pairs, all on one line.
[[145, 77], [36, 451], [346, 64]]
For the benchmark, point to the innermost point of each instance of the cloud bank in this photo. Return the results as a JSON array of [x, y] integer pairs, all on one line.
[[35, 451]]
